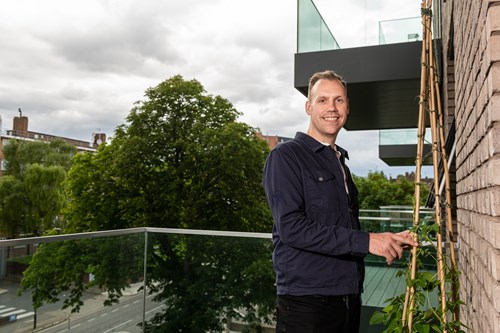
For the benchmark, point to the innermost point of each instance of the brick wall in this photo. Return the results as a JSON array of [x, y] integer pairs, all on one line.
[[472, 31]]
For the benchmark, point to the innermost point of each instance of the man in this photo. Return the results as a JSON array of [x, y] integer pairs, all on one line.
[[318, 248]]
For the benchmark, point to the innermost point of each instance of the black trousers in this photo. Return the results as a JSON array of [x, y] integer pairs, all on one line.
[[318, 314]]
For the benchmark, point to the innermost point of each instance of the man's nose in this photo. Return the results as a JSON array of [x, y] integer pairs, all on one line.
[[333, 105]]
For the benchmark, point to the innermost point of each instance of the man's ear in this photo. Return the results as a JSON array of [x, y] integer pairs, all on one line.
[[348, 108], [308, 107]]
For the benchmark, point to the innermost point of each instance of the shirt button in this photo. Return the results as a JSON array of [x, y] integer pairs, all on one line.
[[320, 179]]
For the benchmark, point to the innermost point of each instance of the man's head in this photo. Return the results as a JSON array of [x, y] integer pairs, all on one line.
[[326, 75], [327, 105]]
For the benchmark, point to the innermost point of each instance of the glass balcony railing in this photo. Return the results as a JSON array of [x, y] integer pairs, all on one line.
[[312, 32], [173, 275], [402, 137], [400, 30], [190, 275], [393, 219]]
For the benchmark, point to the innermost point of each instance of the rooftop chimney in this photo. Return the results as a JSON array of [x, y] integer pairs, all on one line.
[[99, 138], [20, 125]]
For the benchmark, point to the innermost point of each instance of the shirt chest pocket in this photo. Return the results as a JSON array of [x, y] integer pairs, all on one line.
[[320, 189]]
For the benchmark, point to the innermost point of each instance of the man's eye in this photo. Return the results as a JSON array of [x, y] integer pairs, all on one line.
[[340, 100]]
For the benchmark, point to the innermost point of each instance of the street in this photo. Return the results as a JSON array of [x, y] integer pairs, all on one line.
[[93, 316], [122, 317]]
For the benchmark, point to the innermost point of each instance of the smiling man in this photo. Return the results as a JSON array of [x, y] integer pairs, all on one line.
[[318, 247]]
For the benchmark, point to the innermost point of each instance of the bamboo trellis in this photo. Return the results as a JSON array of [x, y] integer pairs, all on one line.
[[430, 104]]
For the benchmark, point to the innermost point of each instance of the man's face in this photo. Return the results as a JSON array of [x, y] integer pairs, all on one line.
[[328, 108]]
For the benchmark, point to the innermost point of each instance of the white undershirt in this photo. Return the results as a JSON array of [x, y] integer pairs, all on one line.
[[338, 154]]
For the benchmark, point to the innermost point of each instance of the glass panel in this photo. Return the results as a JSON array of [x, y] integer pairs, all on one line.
[[400, 30], [372, 22], [312, 33], [202, 279], [402, 137], [393, 219], [195, 282], [86, 266]]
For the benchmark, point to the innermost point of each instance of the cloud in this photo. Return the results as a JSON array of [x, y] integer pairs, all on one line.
[[77, 67]]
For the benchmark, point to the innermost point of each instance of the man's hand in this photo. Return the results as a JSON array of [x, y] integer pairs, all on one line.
[[391, 245]]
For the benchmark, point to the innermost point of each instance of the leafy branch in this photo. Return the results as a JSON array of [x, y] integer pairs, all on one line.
[[427, 315]]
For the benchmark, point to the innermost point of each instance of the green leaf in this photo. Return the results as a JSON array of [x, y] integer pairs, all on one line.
[[437, 328], [421, 328], [377, 318]]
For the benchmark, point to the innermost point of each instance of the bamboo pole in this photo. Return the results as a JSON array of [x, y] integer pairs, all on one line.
[[430, 102], [410, 291], [444, 157], [435, 160]]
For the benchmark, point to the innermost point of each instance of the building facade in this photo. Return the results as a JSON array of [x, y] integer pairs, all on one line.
[[272, 140], [20, 132], [471, 89]]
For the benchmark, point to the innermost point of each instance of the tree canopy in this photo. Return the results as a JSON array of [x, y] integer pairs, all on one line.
[[377, 190], [32, 192], [181, 160]]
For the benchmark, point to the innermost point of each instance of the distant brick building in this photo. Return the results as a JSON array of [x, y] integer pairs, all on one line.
[[20, 132], [273, 140]]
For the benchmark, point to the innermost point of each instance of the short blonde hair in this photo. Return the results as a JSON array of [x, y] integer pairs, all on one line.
[[327, 75]]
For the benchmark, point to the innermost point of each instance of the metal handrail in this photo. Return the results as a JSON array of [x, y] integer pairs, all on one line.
[[119, 232], [427, 210]]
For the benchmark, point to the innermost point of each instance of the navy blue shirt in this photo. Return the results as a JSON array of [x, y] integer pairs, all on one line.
[[318, 248]]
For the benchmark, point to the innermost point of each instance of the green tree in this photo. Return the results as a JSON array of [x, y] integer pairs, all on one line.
[[181, 161], [404, 191], [19, 154], [45, 197], [32, 189], [377, 190], [63, 266], [12, 200]]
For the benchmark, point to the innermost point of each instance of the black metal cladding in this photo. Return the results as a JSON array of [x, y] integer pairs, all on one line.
[[383, 82]]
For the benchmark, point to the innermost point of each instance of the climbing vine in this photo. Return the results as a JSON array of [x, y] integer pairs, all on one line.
[[427, 315]]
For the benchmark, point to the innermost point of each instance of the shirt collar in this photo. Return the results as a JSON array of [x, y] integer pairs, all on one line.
[[315, 145]]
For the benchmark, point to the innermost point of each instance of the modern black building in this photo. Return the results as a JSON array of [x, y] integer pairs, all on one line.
[[383, 80]]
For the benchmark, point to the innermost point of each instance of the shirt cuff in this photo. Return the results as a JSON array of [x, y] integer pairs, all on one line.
[[361, 242]]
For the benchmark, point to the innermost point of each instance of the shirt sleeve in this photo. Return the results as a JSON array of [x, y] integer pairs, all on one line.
[[283, 184]]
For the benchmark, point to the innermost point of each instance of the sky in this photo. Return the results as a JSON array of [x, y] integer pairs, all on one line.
[[76, 67]]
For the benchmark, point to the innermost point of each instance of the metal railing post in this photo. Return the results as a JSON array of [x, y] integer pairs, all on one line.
[[144, 291]]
